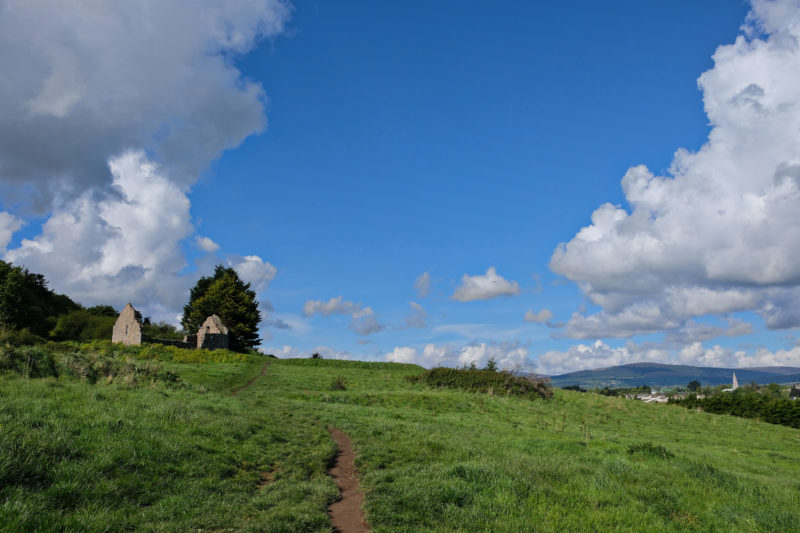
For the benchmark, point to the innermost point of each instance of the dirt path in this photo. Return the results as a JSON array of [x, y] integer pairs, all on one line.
[[346, 513], [263, 371]]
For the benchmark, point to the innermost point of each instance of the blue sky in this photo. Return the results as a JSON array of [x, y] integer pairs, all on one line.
[[337, 154]]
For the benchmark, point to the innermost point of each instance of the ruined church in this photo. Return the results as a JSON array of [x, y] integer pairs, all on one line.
[[212, 335]]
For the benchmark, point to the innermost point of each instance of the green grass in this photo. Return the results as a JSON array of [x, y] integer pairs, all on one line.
[[156, 456]]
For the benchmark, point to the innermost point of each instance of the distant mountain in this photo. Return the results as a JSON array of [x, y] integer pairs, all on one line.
[[659, 375]]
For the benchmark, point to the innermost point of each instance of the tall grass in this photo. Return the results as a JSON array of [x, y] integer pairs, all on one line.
[[107, 457]]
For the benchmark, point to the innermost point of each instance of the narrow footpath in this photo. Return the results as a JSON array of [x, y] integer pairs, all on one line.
[[346, 513], [263, 371]]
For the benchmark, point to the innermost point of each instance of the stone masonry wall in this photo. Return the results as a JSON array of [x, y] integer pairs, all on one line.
[[128, 327], [212, 335]]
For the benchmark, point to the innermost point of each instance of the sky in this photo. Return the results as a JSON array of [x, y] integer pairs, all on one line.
[[554, 186]]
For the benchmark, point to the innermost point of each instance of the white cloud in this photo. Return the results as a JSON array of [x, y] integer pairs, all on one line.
[[206, 244], [601, 355], [117, 248], [416, 318], [286, 352], [110, 112], [596, 355], [423, 285], [638, 318], [85, 82], [334, 306], [253, 270], [693, 331], [363, 321], [718, 233], [402, 354], [542, 316], [9, 224], [508, 356], [486, 287]]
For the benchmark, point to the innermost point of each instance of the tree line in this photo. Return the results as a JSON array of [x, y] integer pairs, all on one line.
[[747, 404], [30, 312]]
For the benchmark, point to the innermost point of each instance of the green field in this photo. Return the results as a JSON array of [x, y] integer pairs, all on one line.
[[143, 450]]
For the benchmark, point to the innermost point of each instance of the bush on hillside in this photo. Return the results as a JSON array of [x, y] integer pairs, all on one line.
[[338, 383], [84, 364], [161, 330], [22, 337], [82, 325], [486, 381], [28, 361], [653, 450]]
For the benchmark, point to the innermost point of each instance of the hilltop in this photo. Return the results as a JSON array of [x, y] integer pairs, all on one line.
[[154, 438], [660, 375]]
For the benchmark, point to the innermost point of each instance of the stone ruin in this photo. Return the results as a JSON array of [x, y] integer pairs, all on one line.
[[212, 335], [128, 327]]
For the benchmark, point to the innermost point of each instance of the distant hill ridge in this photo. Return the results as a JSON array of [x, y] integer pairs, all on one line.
[[661, 375]]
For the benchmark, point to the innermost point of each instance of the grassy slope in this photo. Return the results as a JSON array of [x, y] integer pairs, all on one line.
[[102, 457]]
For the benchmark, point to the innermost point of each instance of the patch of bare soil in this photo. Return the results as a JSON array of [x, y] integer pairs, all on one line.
[[263, 371], [266, 479], [346, 513]]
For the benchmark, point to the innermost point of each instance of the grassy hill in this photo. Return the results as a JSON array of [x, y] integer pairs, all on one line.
[[164, 445], [660, 375]]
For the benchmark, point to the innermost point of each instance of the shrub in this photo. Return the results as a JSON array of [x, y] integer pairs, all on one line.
[[82, 325], [162, 330], [653, 450], [28, 361], [486, 381], [338, 384], [20, 337]]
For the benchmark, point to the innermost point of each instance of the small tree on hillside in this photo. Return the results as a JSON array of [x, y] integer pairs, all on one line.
[[693, 386], [227, 296]]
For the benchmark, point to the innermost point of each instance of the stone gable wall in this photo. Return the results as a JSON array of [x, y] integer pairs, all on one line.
[[128, 327], [212, 335]]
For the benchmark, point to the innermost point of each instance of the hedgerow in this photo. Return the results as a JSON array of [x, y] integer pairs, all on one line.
[[745, 404], [486, 381]]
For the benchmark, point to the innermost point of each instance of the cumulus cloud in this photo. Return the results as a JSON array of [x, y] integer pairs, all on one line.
[[86, 82], [334, 306], [287, 351], [110, 112], [542, 316], [119, 248], [423, 284], [417, 317], [206, 244], [692, 331], [596, 355], [252, 269], [717, 233], [508, 356], [601, 355], [9, 224], [278, 323], [485, 287], [364, 321]]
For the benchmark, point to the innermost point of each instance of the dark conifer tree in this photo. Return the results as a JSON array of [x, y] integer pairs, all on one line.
[[227, 296]]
